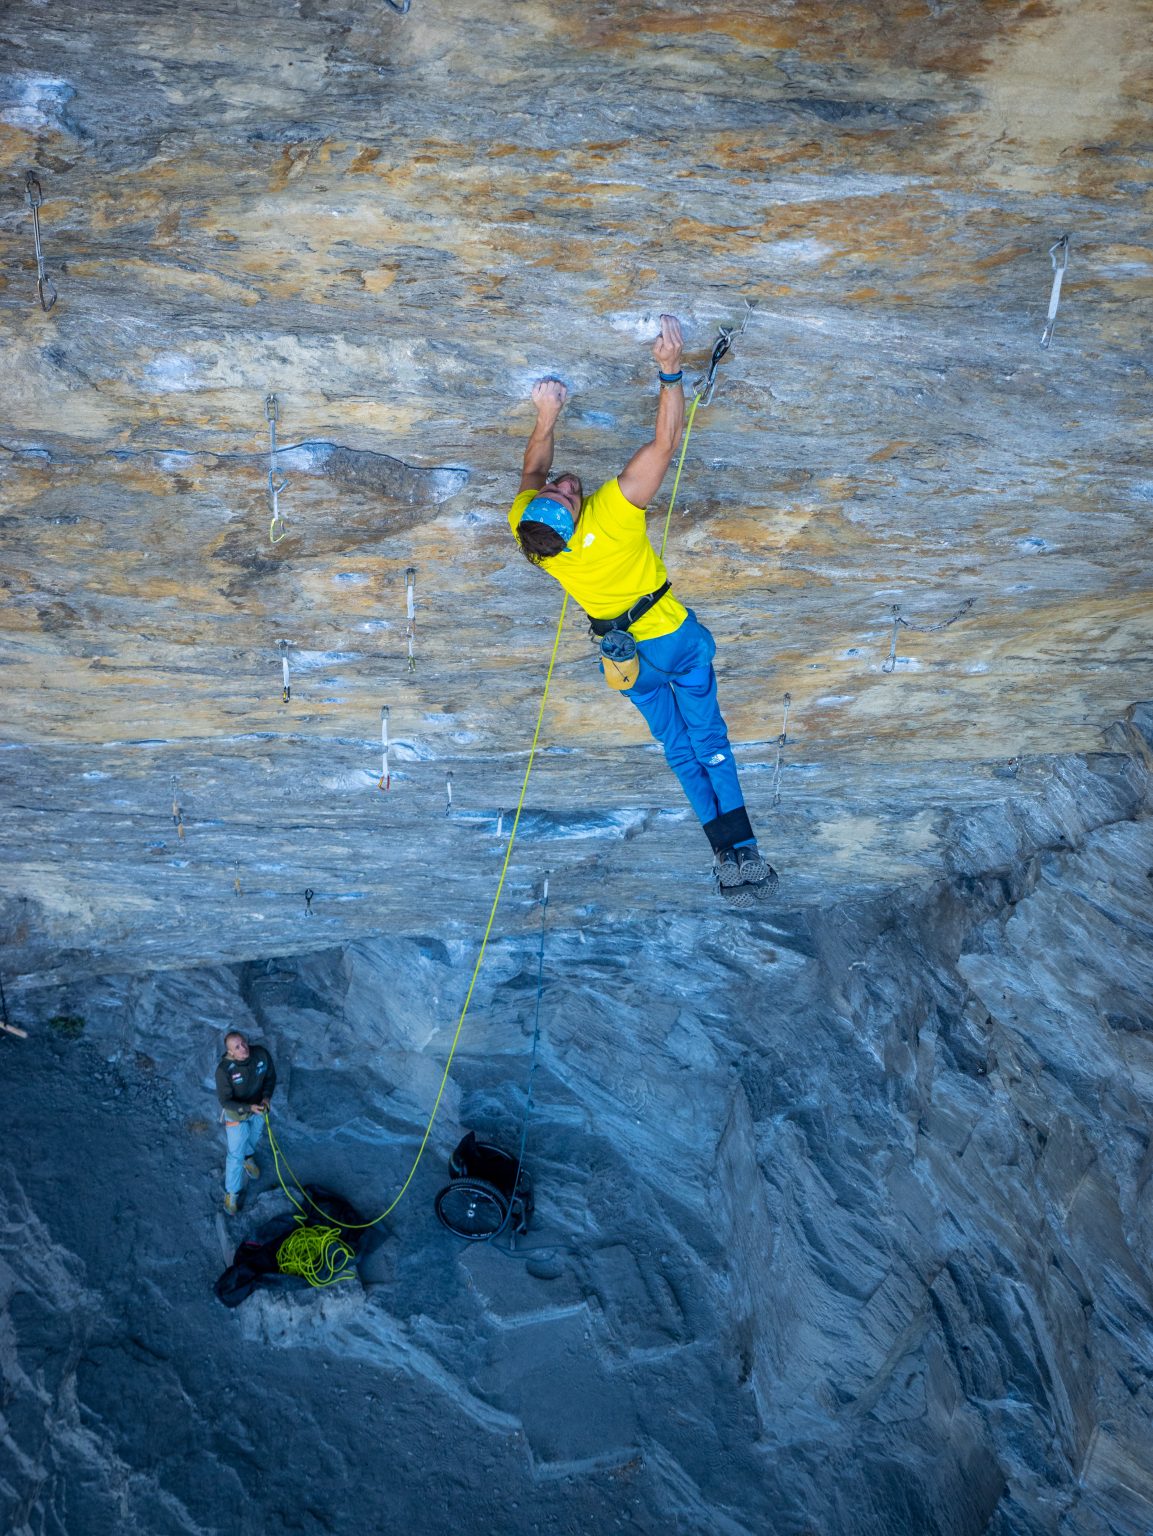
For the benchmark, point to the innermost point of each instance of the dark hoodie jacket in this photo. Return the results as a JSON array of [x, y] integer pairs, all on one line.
[[240, 1084]]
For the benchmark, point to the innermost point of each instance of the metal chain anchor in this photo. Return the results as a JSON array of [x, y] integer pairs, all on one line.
[[272, 416], [920, 629], [1059, 256], [45, 287], [286, 690]]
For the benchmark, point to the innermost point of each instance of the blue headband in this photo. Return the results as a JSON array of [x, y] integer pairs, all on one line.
[[544, 509]]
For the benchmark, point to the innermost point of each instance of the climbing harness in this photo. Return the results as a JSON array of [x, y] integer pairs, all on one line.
[[920, 629], [45, 287], [277, 1154], [318, 1254], [272, 415], [1059, 256], [410, 609], [385, 776], [286, 692], [625, 620], [704, 391], [618, 649], [781, 741]]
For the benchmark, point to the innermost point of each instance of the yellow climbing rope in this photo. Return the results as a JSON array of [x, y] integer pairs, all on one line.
[[319, 1254], [277, 1155], [680, 466]]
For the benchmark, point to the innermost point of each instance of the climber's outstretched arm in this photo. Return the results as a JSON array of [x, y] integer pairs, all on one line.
[[548, 396], [642, 475]]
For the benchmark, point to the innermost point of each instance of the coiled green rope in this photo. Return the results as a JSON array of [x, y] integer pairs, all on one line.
[[319, 1254]]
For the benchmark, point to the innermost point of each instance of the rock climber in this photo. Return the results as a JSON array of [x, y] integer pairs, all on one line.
[[653, 649], [245, 1081]]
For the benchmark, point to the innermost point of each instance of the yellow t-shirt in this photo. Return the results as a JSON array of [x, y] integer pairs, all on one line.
[[610, 562]]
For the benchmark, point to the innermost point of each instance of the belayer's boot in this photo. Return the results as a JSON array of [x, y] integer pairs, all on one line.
[[231, 1203], [252, 1167]]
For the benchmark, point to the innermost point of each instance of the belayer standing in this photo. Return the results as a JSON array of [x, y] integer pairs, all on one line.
[[245, 1080], [653, 649]]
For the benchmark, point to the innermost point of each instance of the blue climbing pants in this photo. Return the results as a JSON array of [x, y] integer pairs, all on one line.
[[676, 692], [243, 1137]]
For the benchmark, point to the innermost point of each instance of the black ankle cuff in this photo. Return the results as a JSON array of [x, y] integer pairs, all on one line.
[[728, 829]]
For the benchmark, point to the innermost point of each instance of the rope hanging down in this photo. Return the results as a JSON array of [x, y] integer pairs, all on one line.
[[277, 1154], [531, 1070]]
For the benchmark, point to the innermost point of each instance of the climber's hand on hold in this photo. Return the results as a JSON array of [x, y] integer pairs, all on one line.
[[669, 345], [549, 395]]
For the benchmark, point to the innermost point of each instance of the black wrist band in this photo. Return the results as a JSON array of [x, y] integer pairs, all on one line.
[[671, 378]]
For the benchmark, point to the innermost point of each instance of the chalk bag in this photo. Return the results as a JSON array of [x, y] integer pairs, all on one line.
[[619, 659], [485, 1196]]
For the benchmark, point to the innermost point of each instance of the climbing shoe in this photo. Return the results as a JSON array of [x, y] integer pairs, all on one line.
[[231, 1204], [727, 869], [756, 871], [744, 875], [252, 1167]]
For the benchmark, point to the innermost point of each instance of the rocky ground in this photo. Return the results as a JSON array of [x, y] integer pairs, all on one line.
[[843, 1227]]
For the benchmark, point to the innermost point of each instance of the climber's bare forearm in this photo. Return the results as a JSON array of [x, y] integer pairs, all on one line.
[[549, 397]]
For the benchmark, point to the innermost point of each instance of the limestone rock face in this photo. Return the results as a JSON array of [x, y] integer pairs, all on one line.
[[844, 1210], [395, 223]]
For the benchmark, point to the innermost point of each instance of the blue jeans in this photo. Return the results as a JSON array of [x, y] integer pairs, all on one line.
[[243, 1139], [676, 692]]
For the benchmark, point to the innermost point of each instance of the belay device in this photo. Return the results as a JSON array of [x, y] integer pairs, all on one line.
[[489, 1192]]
